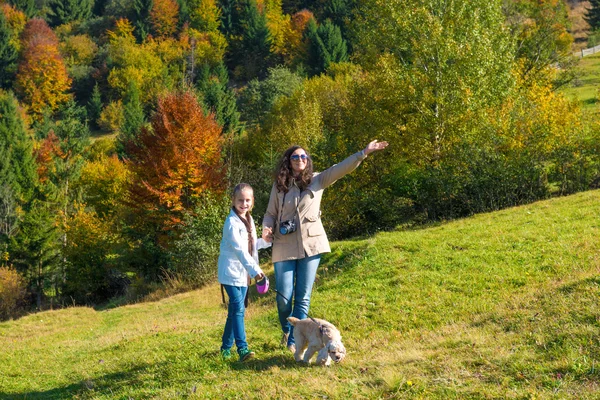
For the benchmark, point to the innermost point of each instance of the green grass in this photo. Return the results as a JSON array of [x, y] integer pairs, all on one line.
[[585, 86], [498, 306]]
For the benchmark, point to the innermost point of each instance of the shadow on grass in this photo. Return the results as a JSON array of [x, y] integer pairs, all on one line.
[[265, 364], [344, 257], [582, 285], [94, 386]]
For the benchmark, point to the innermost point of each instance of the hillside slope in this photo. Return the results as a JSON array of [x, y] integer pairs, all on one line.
[[584, 87], [500, 305]]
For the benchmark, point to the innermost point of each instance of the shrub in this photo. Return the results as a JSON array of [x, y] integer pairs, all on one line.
[[12, 293], [92, 258], [193, 257]]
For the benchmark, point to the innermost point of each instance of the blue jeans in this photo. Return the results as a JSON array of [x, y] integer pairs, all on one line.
[[234, 327], [294, 280]]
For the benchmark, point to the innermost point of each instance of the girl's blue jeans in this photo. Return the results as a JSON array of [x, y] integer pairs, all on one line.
[[234, 327], [294, 280]]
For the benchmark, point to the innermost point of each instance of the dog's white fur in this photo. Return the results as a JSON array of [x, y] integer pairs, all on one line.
[[312, 335]]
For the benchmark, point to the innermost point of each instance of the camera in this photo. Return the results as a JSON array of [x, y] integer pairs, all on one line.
[[287, 227]]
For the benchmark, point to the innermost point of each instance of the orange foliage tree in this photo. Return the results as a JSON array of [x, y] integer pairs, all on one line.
[[42, 79], [164, 17], [43, 155], [175, 162], [296, 47]]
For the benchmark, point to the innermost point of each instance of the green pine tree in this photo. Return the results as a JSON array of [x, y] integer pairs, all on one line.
[[592, 16], [8, 54], [99, 7], [230, 18], [133, 120], [340, 12], [326, 46], [254, 49], [27, 6], [17, 166], [218, 97], [94, 106], [73, 139], [184, 11], [35, 250], [63, 11], [18, 191], [141, 18]]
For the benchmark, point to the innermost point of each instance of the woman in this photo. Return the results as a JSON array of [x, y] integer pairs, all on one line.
[[293, 223]]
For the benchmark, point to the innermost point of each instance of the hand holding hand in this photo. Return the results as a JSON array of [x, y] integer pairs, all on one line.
[[267, 234], [375, 146]]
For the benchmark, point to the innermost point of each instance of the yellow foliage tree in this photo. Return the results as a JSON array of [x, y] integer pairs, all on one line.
[[91, 253], [164, 17], [154, 65], [13, 291], [16, 20], [104, 183], [79, 50], [205, 15], [205, 47], [42, 80], [279, 25], [295, 48]]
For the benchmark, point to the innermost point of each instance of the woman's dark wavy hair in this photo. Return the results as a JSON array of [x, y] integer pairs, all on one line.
[[284, 176]]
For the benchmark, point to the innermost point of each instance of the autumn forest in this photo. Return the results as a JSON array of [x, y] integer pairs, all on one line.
[[124, 124]]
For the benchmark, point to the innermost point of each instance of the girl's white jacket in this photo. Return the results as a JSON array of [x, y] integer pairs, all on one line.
[[235, 263]]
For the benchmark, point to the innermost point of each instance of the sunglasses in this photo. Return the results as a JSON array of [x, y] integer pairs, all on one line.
[[296, 157]]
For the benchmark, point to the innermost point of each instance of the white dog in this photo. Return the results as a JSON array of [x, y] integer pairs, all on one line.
[[312, 335]]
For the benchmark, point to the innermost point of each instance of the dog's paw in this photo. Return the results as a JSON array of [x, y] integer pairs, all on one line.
[[324, 362]]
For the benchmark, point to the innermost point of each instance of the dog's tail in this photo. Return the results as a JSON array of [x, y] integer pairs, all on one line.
[[293, 320]]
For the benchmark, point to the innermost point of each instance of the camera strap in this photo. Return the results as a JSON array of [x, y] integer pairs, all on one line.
[[281, 209]]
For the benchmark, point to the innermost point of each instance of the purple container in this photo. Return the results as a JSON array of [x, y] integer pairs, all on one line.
[[262, 286]]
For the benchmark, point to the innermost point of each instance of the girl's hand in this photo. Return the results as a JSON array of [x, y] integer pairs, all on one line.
[[259, 277], [375, 146], [267, 234]]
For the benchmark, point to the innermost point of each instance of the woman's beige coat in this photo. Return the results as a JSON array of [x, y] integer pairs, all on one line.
[[304, 208]]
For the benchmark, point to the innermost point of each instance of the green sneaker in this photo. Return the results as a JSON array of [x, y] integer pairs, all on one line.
[[245, 354], [225, 354]]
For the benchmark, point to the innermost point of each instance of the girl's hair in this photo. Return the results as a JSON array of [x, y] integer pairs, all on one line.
[[283, 173], [240, 187]]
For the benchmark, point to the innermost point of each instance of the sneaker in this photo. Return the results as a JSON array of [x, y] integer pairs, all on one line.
[[292, 347], [284, 339], [245, 354], [225, 354]]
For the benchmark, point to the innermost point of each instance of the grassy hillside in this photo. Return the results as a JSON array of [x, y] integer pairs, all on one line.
[[501, 305], [585, 86]]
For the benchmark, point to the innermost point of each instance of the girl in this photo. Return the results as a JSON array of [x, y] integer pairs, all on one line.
[[238, 259], [293, 223]]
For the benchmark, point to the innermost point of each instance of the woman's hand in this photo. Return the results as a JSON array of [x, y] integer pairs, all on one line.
[[375, 146], [267, 234]]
